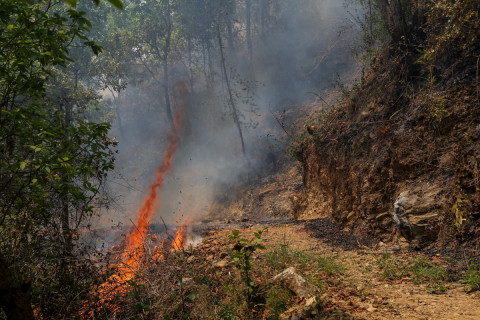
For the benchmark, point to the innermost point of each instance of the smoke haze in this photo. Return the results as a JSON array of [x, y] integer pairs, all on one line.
[[303, 52]]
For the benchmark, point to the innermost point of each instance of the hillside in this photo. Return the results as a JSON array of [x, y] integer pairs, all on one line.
[[250, 159], [400, 133]]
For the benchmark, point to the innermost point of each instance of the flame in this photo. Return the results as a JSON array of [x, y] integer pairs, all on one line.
[[130, 260], [134, 247], [180, 238], [134, 242]]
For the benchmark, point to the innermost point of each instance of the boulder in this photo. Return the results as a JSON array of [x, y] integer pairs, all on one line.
[[290, 279]]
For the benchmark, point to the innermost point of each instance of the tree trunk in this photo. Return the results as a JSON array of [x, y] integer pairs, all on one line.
[[248, 8], [65, 214], [232, 102], [117, 104], [263, 17], [14, 298], [211, 73], [166, 84], [228, 22], [190, 66], [394, 16]]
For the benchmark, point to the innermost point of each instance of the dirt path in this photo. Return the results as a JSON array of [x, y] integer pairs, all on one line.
[[363, 288]]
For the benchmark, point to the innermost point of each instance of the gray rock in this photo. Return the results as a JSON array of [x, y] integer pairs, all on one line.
[[290, 279], [399, 216]]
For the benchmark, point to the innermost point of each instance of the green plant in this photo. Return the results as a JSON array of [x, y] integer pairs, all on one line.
[[420, 270], [391, 267], [296, 148], [277, 299], [282, 256], [141, 305], [329, 265], [472, 277], [425, 271], [438, 110], [226, 313], [241, 254]]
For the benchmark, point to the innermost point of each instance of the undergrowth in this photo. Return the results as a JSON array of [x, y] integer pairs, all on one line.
[[188, 284], [419, 270], [471, 278]]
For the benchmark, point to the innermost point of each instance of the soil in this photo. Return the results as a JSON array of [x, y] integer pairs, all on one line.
[[360, 291], [392, 137]]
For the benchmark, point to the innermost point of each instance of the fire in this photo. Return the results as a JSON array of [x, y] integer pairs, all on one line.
[[179, 241], [180, 238], [134, 247], [134, 242]]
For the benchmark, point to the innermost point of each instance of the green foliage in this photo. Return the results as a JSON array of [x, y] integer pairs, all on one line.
[[373, 31], [419, 270], [277, 299], [241, 254], [391, 268], [53, 162], [329, 266], [140, 305], [424, 271], [451, 25], [282, 256], [472, 277], [116, 3]]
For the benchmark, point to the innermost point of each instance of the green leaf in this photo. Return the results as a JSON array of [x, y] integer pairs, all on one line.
[[192, 296], [73, 3], [23, 164], [117, 3]]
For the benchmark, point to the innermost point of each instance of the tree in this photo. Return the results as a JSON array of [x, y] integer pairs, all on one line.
[[154, 26], [402, 17], [52, 163]]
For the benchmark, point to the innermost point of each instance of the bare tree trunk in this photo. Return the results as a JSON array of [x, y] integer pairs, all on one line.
[[116, 103], [393, 14], [232, 102], [190, 63], [14, 298], [65, 214], [166, 84], [263, 17], [385, 13], [211, 73], [228, 22], [399, 19], [248, 8]]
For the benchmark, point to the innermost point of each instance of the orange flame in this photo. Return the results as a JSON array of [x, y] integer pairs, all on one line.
[[180, 238], [134, 247], [179, 241]]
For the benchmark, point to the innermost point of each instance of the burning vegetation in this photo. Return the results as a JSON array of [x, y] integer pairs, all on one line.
[[232, 83]]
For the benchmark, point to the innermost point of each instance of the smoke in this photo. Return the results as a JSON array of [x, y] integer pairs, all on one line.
[[302, 52]]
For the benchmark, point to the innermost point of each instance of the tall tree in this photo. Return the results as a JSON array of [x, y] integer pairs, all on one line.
[[42, 172], [229, 90]]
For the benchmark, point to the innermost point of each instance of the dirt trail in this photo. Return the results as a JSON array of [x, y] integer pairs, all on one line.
[[360, 290]]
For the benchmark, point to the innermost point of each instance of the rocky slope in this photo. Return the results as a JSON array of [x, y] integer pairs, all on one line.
[[406, 131]]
